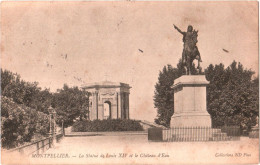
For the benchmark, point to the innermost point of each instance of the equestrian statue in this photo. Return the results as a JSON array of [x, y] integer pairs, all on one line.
[[190, 50]]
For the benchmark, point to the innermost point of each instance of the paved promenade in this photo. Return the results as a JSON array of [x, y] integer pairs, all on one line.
[[137, 149]]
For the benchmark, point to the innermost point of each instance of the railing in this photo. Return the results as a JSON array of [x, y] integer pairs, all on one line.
[[181, 134], [37, 147]]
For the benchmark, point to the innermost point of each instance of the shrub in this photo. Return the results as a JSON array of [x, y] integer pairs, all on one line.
[[20, 123], [106, 125]]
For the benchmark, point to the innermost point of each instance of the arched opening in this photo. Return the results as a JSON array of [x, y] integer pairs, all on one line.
[[107, 110]]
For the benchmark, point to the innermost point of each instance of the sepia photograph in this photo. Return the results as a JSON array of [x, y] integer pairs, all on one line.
[[129, 82]]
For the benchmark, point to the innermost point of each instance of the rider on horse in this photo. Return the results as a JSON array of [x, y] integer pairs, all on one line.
[[189, 47]]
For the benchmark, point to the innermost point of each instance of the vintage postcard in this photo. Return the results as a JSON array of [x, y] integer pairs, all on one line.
[[129, 82]]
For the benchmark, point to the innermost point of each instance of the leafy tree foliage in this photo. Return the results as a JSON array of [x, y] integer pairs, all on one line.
[[24, 108], [20, 123], [232, 97], [70, 103], [23, 92], [6, 79], [42, 100], [163, 95]]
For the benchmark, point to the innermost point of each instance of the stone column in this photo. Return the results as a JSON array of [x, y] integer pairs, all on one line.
[[119, 105], [190, 102], [90, 103], [100, 104], [114, 106], [113, 110], [127, 105], [123, 105], [96, 105], [117, 108], [93, 109]]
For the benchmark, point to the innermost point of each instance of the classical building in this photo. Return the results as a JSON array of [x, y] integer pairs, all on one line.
[[108, 100]]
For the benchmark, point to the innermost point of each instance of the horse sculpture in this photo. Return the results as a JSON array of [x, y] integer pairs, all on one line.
[[190, 50]]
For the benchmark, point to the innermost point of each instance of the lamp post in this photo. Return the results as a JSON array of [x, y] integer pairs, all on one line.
[[50, 124], [52, 114], [54, 122], [62, 127]]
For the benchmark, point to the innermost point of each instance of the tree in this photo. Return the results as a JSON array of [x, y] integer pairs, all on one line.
[[232, 96], [12, 86], [70, 104], [42, 100], [163, 95], [7, 78], [23, 92]]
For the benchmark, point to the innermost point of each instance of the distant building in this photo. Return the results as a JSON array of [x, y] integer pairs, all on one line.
[[108, 100]]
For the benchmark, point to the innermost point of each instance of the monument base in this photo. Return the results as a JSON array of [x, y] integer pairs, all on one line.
[[191, 119], [190, 108]]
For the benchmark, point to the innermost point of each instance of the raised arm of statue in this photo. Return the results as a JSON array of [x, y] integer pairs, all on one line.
[[179, 30]]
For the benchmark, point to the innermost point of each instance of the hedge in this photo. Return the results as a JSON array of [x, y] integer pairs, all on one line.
[[19, 123], [106, 125]]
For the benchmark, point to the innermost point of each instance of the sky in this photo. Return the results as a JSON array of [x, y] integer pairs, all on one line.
[[54, 43]]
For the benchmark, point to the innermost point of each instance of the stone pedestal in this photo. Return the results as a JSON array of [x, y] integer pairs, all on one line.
[[190, 108]]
